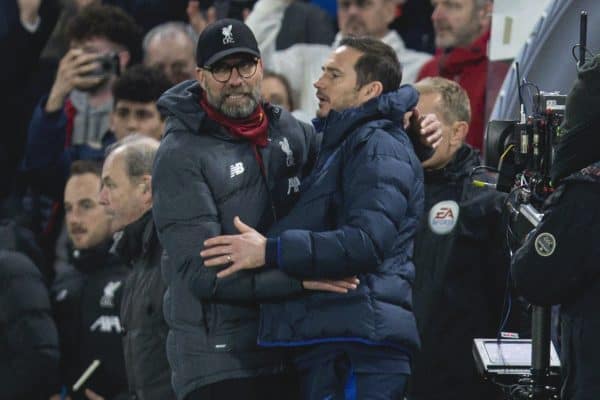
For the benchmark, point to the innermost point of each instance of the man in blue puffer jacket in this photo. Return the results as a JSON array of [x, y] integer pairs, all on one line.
[[356, 217]]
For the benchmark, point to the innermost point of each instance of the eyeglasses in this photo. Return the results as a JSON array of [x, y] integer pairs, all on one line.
[[222, 72]]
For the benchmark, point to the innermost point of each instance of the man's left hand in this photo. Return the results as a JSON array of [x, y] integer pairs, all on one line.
[[431, 130], [243, 251], [427, 128]]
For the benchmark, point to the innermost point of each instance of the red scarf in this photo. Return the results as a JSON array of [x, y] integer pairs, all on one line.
[[253, 128]]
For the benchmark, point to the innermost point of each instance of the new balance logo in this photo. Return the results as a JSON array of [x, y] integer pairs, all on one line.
[[236, 169], [107, 324]]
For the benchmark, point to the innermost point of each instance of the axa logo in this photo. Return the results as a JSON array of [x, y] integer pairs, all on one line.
[[236, 169], [227, 34], [443, 217], [108, 299], [107, 324]]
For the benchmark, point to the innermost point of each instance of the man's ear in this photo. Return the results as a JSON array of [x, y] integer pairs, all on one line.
[[485, 15], [124, 59], [371, 90], [146, 184], [201, 77], [460, 129]]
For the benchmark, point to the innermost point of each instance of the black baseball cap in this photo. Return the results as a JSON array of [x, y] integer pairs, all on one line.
[[223, 38]]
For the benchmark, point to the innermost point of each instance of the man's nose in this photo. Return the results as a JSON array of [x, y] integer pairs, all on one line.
[[103, 197], [235, 79], [437, 13]]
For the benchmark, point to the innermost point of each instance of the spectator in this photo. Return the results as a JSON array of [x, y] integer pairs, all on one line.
[[304, 22], [276, 89], [460, 255], [135, 94], [301, 63], [356, 216], [76, 114], [558, 263], [462, 34], [29, 351], [87, 300], [24, 29], [127, 196], [170, 47], [224, 153]]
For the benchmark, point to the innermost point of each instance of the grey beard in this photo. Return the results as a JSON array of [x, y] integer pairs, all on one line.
[[237, 111]]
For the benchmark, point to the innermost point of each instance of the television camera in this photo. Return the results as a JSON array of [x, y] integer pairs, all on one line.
[[523, 150]]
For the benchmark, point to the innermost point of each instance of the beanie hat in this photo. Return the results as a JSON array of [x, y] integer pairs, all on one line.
[[579, 138]]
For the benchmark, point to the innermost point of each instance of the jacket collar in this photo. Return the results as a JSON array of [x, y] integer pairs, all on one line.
[[90, 260], [465, 159], [391, 106], [591, 173], [138, 237], [182, 102]]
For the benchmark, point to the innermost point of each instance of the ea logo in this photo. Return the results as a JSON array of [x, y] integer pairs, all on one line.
[[545, 244], [443, 217]]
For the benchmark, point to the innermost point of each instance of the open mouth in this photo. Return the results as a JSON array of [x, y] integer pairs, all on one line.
[[322, 98]]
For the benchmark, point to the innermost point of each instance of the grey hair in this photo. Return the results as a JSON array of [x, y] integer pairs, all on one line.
[[169, 30], [138, 152]]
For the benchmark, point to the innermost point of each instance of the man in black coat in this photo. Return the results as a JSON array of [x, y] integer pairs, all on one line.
[[460, 255], [87, 299], [127, 197], [28, 338], [558, 263]]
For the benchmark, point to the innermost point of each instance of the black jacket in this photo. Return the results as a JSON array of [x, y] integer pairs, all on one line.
[[558, 264], [86, 304], [462, 267], [144, 326], [28, 338], [203, 177]]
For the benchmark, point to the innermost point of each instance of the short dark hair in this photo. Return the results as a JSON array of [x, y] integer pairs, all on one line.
[[109, 22], [378, 62], [285, 82], [82, 167], [140, 83]]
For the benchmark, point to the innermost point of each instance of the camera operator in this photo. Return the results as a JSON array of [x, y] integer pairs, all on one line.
[[461, 265], [558, 263]]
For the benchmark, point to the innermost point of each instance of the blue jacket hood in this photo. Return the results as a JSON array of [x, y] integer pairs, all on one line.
[[391, 106]]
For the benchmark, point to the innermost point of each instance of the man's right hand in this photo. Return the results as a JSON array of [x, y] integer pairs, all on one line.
[[71, 74], [329, 285]]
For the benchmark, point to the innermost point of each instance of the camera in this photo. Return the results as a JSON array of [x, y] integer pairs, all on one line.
[[524, 150], [109, 64]]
